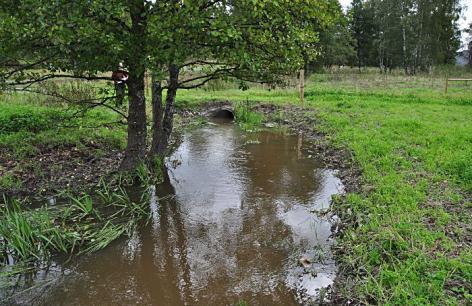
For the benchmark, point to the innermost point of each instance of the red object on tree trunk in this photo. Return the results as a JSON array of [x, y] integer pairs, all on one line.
[[119, 76]]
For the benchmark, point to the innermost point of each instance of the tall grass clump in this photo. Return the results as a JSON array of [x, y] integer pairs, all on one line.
[[33, 234], [247, 118], [83, 225]]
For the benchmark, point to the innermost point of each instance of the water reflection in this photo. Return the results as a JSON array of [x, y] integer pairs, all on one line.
[[229, 224]]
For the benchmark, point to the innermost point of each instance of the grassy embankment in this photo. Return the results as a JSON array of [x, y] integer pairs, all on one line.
[[408, 235]]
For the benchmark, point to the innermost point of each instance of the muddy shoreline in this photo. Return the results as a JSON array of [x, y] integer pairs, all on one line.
[[54, 171]]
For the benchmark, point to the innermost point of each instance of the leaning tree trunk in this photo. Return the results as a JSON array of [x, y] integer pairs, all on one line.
[[136, 146], [162, 127]]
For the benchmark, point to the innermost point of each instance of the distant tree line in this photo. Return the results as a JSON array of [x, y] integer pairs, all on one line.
[[410, 34]]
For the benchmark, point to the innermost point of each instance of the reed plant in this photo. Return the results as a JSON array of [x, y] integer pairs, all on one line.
[[82, 225]]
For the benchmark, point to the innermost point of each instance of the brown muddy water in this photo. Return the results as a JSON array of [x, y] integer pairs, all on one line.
[[238, 214]]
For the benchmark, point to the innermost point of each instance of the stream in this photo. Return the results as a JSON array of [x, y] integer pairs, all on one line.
[[235, 223]]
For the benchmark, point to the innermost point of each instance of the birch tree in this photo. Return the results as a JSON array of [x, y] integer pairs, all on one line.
[[412, 34]]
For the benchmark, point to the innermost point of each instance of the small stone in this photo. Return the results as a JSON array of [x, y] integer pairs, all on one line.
[[305, 262]]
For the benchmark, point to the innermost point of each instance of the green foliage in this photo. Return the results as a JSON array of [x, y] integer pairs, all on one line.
[[84, 225], [243, 39], [274, 39], [9, 181], [27, 129], [84, 206], [31, 120], [335, 43], [409, 34], [245, 117], [157, 167], [31, 235]]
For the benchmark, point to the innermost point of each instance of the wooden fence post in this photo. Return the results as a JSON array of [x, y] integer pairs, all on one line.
[[302, 85]]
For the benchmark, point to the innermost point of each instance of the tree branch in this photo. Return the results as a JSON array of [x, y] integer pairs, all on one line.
[[90, 102], [57, 76]]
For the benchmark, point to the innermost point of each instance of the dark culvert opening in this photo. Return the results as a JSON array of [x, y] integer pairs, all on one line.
[[222, 114]]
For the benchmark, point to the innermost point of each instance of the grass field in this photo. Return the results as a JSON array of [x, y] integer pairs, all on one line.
[[408, 239], [415, 152], [408, 229]]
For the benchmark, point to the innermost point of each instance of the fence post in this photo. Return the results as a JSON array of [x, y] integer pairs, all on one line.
[[447, 84], [302, 85]]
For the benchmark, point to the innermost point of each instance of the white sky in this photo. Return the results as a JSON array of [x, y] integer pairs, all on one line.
[[464, 21]]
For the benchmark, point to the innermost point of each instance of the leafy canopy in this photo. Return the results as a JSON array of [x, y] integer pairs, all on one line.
[[248, 39]]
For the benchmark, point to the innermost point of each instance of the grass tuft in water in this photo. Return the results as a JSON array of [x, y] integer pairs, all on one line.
[[32, 234], [84, 225], [247, 119]]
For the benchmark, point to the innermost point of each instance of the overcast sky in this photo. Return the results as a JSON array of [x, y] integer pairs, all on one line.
[[465, 20]]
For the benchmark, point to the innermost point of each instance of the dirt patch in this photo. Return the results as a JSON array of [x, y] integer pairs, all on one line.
[[54, 170]]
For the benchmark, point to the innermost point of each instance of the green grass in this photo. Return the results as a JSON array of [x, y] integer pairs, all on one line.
[[9, 181], [416, 159], [83, 225], [245, 117], [27, 128], [407, 240]]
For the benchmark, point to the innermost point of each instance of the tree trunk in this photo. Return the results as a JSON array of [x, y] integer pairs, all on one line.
[[405, 55], [470, 54], [137, 130], [157, 114], [163, 127]]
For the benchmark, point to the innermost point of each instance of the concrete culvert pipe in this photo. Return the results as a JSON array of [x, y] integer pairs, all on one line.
[[222, 114]]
